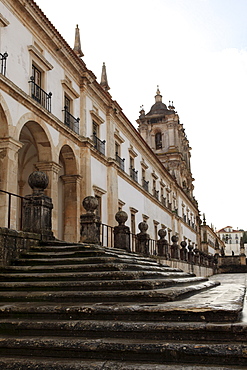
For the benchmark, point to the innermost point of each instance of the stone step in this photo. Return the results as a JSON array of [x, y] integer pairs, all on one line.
[[117, 349], [82, 260], [48, 363], [88, 267], [98, 284], [155, 295], [219, 304], [15, 274], [175, 331]]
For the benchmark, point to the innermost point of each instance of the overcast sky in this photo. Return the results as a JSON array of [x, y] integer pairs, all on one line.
[[196, 51]]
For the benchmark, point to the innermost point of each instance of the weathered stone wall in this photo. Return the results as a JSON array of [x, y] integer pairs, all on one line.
[[13, 242], [188, 267]]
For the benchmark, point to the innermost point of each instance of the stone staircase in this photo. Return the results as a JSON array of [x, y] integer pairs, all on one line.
[[88, 307]]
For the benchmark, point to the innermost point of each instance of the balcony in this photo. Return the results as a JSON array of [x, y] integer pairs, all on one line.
[[39, 95], [71, 121], [120, 161], [99, 144], [3, 60], [134, 174], [145, 184], [156, 194]]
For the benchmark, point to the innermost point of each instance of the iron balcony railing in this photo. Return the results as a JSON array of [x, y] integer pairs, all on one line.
[[145, 184], [120, 161], [39, 95], [3, 60], [71, 121], [134, 174], [98, 144]]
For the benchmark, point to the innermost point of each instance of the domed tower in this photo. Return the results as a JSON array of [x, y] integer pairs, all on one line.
[[163, 132]]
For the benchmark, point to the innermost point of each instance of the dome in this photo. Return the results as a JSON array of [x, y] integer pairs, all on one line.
[[159, 108]]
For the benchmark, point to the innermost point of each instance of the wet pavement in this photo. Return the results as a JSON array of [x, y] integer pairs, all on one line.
[[239, 279]]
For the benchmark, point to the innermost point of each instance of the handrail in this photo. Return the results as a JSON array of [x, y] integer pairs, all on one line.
[[9, 204], [40, 95]]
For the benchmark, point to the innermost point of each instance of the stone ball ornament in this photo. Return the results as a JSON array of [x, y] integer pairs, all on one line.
[[162, 233], [38, 181], [143, 226], [183, 244], [90, 204], [174, 239], [121, 217]]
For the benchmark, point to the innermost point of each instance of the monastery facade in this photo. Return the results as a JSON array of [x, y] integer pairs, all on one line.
[[57, 118]]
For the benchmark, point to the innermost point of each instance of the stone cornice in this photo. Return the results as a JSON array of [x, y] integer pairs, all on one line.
[[41, 59]]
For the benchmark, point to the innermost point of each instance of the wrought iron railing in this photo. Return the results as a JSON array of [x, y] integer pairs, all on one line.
[[39, 95], [120, 161], [3, 60], [99, 144], [9, 207], [134, 174], [71, 121], [106, 236], [145, 184]]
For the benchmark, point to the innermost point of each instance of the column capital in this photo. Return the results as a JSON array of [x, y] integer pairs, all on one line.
[[71, 179], [48, 166]]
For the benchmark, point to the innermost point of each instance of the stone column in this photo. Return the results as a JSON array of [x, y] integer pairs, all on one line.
[[71, 207], [90, 223], [112, 193], [142, 242], [8, 179], [85, 172], [51, 169], [121, 232], [162, 244], [37, 207]]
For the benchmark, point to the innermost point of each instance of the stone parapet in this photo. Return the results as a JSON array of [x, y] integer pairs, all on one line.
[[13, 243]]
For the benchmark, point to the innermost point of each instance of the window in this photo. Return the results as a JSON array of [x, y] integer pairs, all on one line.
[[98, 144], [98, 209], [158, 140], [133, 223], [36, 87], [95, 129], [119, 160]]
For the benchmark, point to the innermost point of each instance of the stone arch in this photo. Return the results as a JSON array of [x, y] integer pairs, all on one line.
[[5, 118], [68, 195], [36, 149]]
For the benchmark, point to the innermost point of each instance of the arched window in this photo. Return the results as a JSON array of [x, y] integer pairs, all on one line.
[[158, 140]]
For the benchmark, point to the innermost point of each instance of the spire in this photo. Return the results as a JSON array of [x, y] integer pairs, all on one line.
[[158, 97], [103, 81], [77, 45]]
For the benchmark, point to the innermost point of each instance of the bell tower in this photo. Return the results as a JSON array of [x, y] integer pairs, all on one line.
[[164, 133]]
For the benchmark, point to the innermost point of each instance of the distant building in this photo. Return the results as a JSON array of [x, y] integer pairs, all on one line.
[[232, 239], [210, 240]]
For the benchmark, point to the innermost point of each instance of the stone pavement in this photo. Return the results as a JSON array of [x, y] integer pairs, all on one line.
[[234, 280]]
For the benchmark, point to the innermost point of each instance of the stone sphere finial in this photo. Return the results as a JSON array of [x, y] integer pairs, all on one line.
[[90, 204], [38, 181], [162, 233], [174, 239], [183, 244], [121, 217], [143, 226]]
